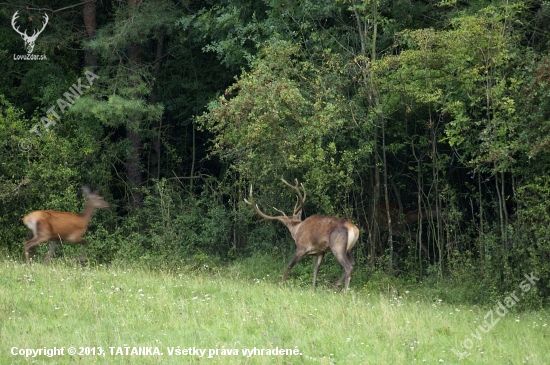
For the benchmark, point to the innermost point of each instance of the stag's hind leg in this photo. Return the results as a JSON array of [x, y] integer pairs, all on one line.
[[344, 275], [34, 238], [348, 267], [28, 245], [350, 238], [339, 247], [316, 270]]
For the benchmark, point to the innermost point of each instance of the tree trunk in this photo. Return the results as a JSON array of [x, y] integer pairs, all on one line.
[[386, 193], [154, 161], [373, 101], [435, 174], [133, 160], [89, 15]]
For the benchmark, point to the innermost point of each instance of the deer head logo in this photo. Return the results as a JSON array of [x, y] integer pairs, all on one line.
[[29, 40]]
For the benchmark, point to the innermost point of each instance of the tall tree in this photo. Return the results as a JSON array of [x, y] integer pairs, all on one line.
[[89, 15]]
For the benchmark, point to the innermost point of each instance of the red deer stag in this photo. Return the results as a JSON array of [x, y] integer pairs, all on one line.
[[54, 226], [316, 235]]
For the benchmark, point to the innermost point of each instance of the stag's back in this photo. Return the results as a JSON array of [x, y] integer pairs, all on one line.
[[319, 232]]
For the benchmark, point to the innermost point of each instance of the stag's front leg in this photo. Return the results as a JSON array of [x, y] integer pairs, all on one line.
[[297, 256]]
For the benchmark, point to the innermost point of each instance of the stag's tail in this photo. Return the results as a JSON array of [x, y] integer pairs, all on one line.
[[353, 235], [31, 222]]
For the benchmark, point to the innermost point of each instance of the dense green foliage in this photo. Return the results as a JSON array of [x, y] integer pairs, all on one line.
[[435, 105]]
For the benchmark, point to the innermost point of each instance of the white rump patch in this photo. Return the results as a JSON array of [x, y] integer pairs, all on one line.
[[352, 238], [32, 226]]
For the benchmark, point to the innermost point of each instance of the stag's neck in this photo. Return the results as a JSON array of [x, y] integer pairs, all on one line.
[[87, 212], [293, 227]]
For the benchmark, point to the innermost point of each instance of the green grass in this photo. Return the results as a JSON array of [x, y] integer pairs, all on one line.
[[63, 305]]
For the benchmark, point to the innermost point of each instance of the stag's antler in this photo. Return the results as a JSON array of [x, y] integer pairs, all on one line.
[[300, 200], [262, 214]]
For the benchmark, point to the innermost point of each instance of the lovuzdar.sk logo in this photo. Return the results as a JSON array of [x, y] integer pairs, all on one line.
[[28, 39]]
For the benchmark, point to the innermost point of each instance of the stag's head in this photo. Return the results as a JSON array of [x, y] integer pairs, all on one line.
[[296, 216], [29, 40]]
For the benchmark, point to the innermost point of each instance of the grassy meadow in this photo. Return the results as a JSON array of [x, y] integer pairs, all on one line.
[[222, 316]]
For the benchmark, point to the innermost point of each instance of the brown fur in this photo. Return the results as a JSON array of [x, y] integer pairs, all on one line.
[[54, 226], [317, 235]]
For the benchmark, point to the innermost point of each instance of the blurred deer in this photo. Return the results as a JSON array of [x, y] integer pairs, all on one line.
[[54, 226], [400, 223], [316, 235]]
